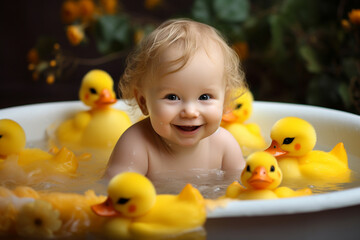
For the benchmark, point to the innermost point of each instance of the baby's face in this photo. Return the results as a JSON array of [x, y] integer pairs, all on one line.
[[187, 106]]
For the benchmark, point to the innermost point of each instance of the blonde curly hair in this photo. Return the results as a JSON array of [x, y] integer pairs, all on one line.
[[144, 63]]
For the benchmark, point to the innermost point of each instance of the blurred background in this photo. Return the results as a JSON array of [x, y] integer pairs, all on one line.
[[296, 51]]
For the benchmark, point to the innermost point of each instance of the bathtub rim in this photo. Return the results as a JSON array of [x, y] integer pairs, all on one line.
[[325, 201]]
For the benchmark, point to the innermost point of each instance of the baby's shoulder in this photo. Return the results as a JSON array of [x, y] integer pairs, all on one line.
[[222, 137], [139, 131], [221, 134]]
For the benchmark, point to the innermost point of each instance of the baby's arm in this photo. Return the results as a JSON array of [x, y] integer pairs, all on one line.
[[129, 154], [233, 158]]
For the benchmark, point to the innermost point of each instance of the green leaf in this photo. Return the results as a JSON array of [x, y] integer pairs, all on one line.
[[301, 11], [277, 32], [201, 11], [232, 10], [121, 34], [113, 33], [312, 64], [45, 47]]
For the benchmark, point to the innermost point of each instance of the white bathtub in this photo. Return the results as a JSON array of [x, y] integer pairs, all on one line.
[[334, 215]]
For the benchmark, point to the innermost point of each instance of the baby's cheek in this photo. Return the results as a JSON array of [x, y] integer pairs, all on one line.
[[214, 115], [159, 127]]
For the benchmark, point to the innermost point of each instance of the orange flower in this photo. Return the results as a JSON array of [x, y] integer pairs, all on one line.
[[50, 79], [242, 49], [75, 34], [151, 4], [354, 16], [69, 11], [109, 6], [56, 46], [33, 56], [345, 24], [53, 63], [86, 10]]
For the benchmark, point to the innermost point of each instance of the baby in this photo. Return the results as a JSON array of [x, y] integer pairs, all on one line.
[[180, 76]]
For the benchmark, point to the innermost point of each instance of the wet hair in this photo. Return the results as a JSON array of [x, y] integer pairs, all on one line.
[[187, 35]]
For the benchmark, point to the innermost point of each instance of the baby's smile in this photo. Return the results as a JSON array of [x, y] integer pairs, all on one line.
[[187, 128]]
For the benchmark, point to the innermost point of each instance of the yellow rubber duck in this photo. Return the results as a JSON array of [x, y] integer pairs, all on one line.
[[261, 178], [293, 140], [12, 143], [248, 135], [102, 125], [135, 211]]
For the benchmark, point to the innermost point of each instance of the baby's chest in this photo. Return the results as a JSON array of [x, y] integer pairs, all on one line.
[[185, 161]]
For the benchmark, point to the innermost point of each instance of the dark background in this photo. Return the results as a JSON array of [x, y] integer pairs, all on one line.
[[270, 78], [22, 22]]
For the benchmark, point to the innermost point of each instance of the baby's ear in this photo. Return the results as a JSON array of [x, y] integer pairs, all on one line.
[[141, 101]]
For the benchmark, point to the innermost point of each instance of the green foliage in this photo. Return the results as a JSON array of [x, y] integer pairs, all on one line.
[[45, 47], [299, 51], [202, 11], [113, 33], [309, 56], [231, 10]]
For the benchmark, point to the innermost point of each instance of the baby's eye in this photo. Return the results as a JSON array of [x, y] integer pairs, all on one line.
[[204, 97], [172, 97]]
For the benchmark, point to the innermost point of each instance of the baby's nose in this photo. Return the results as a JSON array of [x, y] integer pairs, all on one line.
[[189, 111]]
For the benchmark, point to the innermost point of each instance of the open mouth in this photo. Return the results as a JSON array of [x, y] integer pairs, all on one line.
[[187, 128]]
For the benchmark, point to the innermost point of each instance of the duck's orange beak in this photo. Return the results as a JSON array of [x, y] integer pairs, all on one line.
[[229, 117], [105, 209], [105, 98], [260, 178], [275, 149]]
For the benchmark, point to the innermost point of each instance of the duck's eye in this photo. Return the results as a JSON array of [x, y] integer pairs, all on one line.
[[93, 91], [248, 168], [288, 140], [238, 106], [0, 136], [272, 168], [123, 200]]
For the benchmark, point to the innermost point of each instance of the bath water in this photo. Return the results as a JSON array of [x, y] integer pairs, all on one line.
[[211, 184]]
